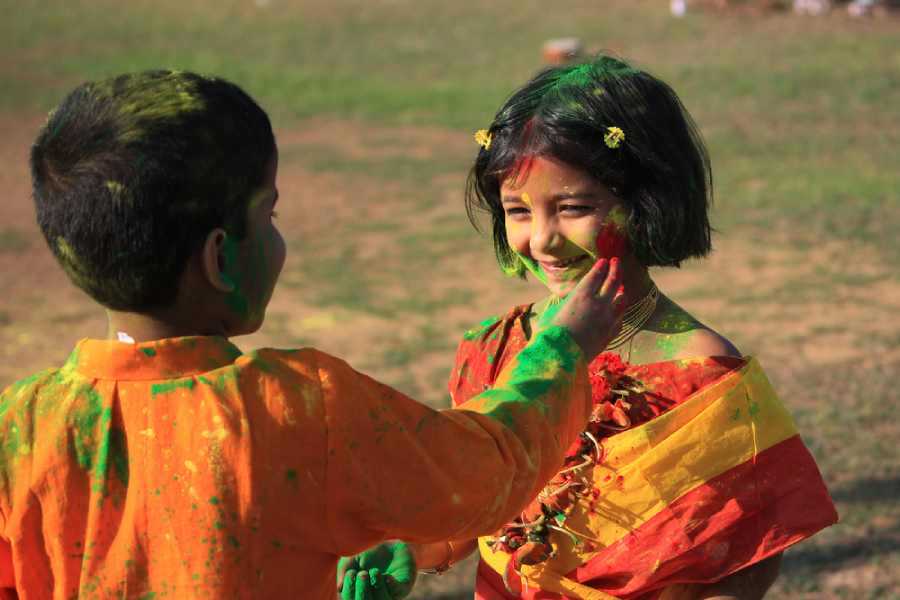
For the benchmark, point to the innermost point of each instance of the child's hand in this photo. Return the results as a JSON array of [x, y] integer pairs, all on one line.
[[385, 572], [592, 311]]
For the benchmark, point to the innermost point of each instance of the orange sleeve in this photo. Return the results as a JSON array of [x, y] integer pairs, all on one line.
[[399, 469]]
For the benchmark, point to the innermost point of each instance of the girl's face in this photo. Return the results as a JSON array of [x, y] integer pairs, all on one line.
[[559, 220]]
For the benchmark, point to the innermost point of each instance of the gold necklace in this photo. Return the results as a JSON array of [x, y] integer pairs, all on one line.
[[635, 317]]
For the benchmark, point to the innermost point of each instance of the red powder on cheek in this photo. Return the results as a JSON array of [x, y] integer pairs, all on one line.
[[611, 240]]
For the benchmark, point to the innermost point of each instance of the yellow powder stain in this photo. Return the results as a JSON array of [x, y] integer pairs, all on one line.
[[148, 432], [115, 188], [193, 493], [218, 434], [456, 499], [190, 466], [217, 419], [71, 262], [527, 200]]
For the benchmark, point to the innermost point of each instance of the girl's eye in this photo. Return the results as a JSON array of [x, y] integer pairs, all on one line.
[[515, 211], [576, 208]]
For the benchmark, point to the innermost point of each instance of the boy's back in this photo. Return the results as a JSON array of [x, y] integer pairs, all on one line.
[[174, 465]]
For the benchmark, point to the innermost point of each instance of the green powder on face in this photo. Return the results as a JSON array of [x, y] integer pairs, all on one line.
[[149, 352], [534, 268]]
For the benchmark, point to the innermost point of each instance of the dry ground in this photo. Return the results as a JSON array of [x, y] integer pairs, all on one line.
[[815, 313]]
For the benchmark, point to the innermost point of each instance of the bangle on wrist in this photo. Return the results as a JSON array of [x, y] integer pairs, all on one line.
[[444, 566]]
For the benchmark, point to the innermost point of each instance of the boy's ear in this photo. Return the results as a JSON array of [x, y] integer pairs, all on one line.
[[214, 264]]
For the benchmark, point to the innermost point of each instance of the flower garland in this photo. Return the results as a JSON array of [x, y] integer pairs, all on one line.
[[527, 538]]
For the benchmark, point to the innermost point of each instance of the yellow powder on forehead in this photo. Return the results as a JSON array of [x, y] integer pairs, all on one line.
[[527, 200]]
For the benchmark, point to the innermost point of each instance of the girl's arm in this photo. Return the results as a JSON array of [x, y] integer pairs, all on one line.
[[751, 583], [440, 556]]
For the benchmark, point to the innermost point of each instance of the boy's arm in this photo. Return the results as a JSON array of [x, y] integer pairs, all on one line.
[[398, 469]]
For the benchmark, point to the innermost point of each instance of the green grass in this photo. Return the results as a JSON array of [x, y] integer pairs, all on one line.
[[809, 107]]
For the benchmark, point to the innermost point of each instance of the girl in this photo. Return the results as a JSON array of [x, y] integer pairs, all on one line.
[[690, 479]]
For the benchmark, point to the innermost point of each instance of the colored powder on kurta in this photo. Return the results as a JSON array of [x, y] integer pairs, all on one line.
[[535, 371], [149, 352], [290, 475], [171, 386]]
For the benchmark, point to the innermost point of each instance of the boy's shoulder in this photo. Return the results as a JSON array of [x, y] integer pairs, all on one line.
[[25, 388], [295, 365]]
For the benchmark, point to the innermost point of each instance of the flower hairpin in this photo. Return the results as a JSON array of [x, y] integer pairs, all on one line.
[[483, 138], [614, 137]]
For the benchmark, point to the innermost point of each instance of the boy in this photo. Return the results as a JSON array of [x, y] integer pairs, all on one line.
[[163, 461]]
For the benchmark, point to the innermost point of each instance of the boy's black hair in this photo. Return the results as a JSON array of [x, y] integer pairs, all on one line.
[[660, 170], [131, 173]]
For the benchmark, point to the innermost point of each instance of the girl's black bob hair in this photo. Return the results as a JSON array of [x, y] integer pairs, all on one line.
[[660, 170]]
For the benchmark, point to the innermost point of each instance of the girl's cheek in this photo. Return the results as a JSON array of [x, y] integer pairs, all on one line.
[[612, 238], [518, 235]]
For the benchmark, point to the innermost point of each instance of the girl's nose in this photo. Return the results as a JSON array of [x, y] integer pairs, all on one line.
[[545, 237]]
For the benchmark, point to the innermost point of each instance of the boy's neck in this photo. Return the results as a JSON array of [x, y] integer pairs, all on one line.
[[137, 327]]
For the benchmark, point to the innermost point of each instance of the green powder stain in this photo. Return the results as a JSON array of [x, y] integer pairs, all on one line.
[[235, 300], [234, 542], [737, 414], [149, 352], [536, 371], [148, 596], [534, 268], [479, 330], [219, 525], [290, 476], [215, 501], [754, 409], [171, 386], [668, 345]]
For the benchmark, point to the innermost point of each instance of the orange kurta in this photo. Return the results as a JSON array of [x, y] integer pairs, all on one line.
[[183, 468]]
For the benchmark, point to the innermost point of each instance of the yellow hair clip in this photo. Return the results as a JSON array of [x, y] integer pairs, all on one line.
[[614, 137], [483, 138]]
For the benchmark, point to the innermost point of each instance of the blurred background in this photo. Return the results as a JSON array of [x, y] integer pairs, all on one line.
[[374, 105]]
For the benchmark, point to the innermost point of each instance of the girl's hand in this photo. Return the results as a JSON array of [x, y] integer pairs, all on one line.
[[592, 311], [385, 572]]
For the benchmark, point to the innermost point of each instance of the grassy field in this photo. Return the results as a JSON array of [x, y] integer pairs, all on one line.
[[374, 104]]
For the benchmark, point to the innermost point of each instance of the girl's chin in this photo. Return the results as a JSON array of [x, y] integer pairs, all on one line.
[[561, 289]]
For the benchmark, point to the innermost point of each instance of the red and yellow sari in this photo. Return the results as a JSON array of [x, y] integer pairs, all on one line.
[[704, 475]]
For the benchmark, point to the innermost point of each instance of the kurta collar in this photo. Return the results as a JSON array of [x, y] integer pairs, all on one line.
[[168, 358]]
